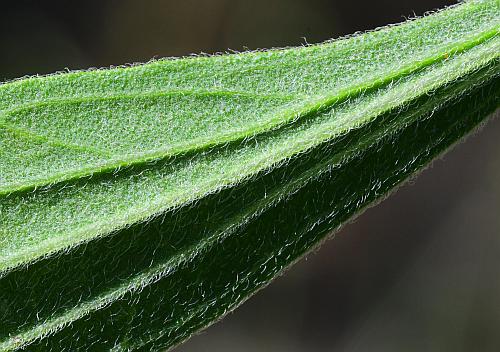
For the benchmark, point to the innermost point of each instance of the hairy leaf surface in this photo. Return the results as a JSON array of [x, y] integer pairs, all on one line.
[[140, 204]]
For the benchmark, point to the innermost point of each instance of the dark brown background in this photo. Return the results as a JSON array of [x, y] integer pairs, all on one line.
[[420, 272]]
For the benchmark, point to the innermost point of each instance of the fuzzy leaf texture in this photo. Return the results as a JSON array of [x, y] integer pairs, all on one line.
[[140, 204]]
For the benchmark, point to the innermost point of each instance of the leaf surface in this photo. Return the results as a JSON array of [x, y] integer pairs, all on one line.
[[140, 204]]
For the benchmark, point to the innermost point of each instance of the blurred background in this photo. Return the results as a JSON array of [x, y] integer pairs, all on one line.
[[419, 272]]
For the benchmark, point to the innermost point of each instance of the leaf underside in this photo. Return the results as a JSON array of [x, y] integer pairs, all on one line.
[[140, 204]]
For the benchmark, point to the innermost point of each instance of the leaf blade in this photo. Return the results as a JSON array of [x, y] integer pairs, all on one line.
[[397, 64], [279, 165]]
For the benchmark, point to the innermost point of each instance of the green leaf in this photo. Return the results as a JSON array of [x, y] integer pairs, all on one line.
[[140, 204]]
